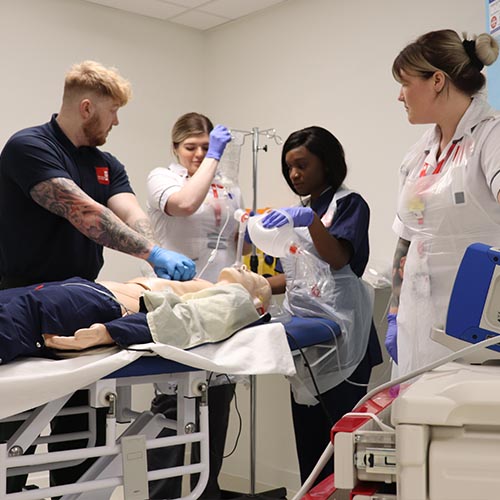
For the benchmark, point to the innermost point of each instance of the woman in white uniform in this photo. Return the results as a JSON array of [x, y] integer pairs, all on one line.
[[188, 205], [449, 186], [191, 209]]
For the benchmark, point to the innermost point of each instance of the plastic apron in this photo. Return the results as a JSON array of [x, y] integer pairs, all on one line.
[[314, 289], [208, 236], [216, 245], [445, 218]]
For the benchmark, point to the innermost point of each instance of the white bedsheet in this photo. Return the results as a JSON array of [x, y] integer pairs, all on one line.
[[30, 382]]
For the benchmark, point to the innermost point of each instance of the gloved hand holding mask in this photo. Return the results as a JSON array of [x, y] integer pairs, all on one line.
[[301, 217]]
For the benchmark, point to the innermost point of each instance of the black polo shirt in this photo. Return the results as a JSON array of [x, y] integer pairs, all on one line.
[[36, 245]]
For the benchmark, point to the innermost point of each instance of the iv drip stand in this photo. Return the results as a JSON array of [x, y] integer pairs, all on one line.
[[254, 260], [279, 493]]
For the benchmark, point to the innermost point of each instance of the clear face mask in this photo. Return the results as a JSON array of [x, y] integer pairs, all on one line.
[[276, 241]]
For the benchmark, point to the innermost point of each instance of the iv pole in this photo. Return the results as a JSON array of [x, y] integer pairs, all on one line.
[[254, 264], [254, 260]]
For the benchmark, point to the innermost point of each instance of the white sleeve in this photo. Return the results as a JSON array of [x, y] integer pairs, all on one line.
[[490, 159], [161, 184]]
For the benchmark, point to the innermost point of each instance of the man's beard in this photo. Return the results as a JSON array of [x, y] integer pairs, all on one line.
[[93, 132]]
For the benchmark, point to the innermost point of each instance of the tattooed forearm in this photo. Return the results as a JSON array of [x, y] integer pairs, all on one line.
[[111, 232], [58, 196], [143, 226], [64, 198], [398, 272]]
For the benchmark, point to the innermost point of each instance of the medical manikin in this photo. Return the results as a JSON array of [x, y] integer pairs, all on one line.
[[76, 314]]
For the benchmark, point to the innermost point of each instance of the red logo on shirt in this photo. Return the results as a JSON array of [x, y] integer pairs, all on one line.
[[102, 174]]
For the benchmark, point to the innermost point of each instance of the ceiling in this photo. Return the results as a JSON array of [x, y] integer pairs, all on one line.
[[198, 14]]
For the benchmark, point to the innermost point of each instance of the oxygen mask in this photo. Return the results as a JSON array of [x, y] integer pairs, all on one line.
[[275, 241]]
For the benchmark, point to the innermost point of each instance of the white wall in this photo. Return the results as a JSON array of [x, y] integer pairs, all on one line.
[[328, 63], [304, 62], [324, 62], [41, 39]]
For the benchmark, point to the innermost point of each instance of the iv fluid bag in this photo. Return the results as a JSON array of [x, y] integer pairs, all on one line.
[[229, 164]]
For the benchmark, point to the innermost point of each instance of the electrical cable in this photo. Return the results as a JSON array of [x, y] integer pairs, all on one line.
[[375, 382], [240, 421]]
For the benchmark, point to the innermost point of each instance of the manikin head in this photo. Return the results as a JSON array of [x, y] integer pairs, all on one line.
[[256, 285]]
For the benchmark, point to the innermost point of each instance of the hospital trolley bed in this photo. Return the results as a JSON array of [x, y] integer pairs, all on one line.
[[122, 461]]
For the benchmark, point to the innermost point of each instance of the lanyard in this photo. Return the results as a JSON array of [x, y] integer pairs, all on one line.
[[440, 164], [217, 207]]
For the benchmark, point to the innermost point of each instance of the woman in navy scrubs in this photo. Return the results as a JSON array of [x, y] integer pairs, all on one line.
[[331, 223]]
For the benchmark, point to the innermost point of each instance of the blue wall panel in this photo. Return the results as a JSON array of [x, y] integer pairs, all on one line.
[[493, 72]]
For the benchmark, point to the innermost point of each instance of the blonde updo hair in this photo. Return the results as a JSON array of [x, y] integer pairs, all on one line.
[[461, 60], [91, 76]]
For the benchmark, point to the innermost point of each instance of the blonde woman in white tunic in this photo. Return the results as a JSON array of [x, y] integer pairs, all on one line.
[[189, 208]]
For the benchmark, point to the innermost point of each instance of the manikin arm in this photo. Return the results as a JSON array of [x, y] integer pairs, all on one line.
[[96, 334]]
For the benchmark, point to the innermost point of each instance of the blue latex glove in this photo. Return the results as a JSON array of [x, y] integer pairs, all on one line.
[[171, 265], [219, 137], [391, 337], [301, 216]]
